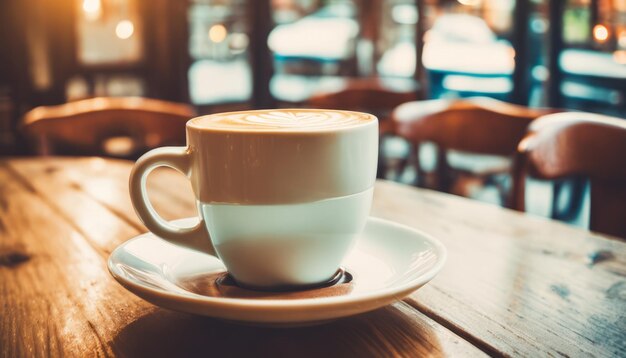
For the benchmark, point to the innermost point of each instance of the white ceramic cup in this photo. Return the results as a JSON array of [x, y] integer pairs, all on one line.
[[282, 194]]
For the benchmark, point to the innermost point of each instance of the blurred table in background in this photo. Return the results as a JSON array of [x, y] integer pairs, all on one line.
[[594, 81], [514, 284], [298, 89]]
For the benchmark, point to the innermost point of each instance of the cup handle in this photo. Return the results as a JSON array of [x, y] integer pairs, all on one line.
[[178, 158]]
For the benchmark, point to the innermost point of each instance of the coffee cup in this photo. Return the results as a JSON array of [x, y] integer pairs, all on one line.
[[282, 194]]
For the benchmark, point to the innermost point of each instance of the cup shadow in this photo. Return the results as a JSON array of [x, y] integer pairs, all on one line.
[[385, 332]]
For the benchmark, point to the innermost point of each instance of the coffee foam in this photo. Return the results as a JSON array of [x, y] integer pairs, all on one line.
[[287, 120]]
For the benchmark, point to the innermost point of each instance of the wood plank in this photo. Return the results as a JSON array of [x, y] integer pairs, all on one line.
[[46, 295], [61, 192], [61, 301], [106, 182], [396, 330], [516, 284], [492, 291]]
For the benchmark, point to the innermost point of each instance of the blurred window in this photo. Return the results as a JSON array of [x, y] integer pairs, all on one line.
[[576, 20], [593, 61], [314, 46], [467, 49], [218, 44], [397, 39], [109, 49], [109, 32]]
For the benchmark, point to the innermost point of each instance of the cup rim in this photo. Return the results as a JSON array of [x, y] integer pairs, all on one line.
[[192, 123]]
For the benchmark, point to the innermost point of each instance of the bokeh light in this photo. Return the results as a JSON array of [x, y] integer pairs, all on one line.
[[600, 33], [217, 33], [621, 39], [620, 57], [124, 29], [92, 9], [470, 2]]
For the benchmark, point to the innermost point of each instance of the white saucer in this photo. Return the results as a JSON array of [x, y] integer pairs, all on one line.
[[388, 262]]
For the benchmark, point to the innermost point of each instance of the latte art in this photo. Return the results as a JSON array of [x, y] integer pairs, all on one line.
[[284, 119]]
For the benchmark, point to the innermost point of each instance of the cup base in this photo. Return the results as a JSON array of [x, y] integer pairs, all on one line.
[[222, 285], [341, 276]]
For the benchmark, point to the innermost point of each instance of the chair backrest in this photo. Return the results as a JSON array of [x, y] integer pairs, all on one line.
[[368, 97], [579, 144], [119, 127], [477, 125]]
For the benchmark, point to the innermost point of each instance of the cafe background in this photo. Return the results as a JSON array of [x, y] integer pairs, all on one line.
[[234, 55]]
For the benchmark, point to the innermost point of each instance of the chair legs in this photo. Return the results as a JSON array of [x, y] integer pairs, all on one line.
[[575, 187], [445, 178]]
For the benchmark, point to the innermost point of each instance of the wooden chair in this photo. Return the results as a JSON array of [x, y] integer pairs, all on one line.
[[122, 127], [370, 97], [476, 139], [579, 144]]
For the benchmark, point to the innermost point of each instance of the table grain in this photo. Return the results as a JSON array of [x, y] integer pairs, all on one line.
[[514, 284]]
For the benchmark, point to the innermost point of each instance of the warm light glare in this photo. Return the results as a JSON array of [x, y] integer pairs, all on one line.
[[92, 9], [620, 57], [217, 33], [238, 42], [600, 33], [124, 29], [404, 14], [470, 2], [621, 40]]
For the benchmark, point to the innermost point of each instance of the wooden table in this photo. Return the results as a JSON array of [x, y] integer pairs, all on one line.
[[514, 284]]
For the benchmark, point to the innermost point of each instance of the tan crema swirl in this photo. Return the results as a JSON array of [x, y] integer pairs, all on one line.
[[283, 120]]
